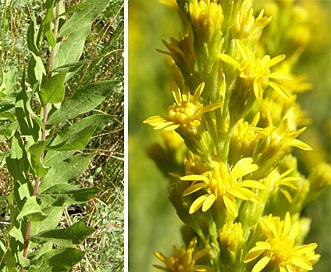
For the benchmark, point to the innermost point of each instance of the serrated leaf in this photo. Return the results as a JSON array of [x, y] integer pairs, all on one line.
[[52, 89], [83, 100], [99, 120], [66, 237], [83, 18], [64, 171], [66, 193], [76, 29], [53, 212], [76, 141]]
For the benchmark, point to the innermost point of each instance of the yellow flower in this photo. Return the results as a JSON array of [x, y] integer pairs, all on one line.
[[207, 18], [279, 250], [183, 260], [256, 72], [182, 52], [224, 185], [194, 164], [276, 181], [186, 113], [282, 137], [245, 26], [231, 237], [244, 139]]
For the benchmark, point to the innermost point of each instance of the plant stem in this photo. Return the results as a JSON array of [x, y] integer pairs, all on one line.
[[43, 133]]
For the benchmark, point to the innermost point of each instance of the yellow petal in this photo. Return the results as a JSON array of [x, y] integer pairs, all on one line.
[[302, 263], [194, 188], [299, 144], [230, 206], [243, 50], [258, 91], [197, 204], [198, 92], [278, 89], [176, 93], [276, 60], [194, 177], [244, 167], [261, 264], [229, 60], [209, 201]]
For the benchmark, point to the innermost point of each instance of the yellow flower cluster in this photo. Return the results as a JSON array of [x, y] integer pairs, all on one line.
[[238, 190]]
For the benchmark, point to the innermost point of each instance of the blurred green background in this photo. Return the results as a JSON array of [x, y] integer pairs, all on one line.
[[153, 223]]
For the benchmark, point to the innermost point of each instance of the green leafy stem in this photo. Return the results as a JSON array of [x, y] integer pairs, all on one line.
[[45, 152]]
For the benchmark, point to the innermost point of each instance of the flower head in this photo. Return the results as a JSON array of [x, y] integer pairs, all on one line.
[[186, 113], [279, 250], [256, 72], [245, 26], [182, 52], [207, 18], [183, 260], [231, 237], [224, 185]]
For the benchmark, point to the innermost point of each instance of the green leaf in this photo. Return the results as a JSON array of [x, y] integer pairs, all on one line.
[[83, 18], [47, 23], [8, 82], [32, 210], [75, 141], [31, 41], [57, 260], [67, 237], [76, 136], [52, 89], [53, 157], [66, 193], [24, 113], [83, 100], [75, 8], [38, 167], [53, 212], [17, 234], [64, 171], [39, 68], [99, 120], [76, 29]]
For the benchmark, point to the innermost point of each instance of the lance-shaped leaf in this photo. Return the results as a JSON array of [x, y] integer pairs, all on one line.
[[76, 29], [38, 167], [31, 39], [76, 141], [52, 89], [64, 171], [84, 100], [32, 210], [76, 136], [66, 193], [57, 260], [66, 237]]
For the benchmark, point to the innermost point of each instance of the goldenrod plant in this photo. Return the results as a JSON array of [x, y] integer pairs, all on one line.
[[230, 137], [44, 131]]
